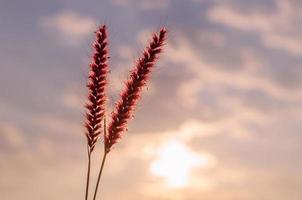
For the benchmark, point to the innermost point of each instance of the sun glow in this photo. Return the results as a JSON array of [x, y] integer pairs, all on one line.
[[175, 163]]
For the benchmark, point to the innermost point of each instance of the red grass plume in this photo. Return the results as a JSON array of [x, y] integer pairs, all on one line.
[[132, 92], [95, 107]]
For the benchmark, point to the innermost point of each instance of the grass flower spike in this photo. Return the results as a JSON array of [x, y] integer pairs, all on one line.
[[132, 92], [96, 86], [95, 107]]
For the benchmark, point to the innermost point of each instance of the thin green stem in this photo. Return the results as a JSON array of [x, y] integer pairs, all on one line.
[[88, 173], [99, 176]]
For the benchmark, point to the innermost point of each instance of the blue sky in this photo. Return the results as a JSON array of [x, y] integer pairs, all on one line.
[[220, 119]]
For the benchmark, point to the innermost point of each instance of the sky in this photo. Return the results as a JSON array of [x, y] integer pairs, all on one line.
[[220, 118]]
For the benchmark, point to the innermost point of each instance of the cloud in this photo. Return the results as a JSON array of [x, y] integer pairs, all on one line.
[[278, 29], [151, 146], [144, 5], [59, 126], [232, 99], [11, 135], [211, 38], [232, 17], [72, 99], [206, 73], [71, 27]]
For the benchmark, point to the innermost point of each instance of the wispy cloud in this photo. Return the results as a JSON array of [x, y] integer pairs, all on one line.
[[278, 28], [11, 135], [71, 27], [144, 4]]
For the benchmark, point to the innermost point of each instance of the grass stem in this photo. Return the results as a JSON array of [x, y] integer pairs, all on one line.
[[99, 176], [103, 160], [88, 173]]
